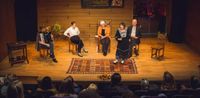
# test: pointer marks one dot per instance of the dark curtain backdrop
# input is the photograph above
(26, 19)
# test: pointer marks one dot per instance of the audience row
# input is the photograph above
(11, 87)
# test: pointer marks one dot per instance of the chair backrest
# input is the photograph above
(162, 38)
(154, 97)
(61, 97)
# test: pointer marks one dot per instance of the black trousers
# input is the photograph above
(105, 44)
(133, 43)
(76, 40)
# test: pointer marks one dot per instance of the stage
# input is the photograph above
(179, 59)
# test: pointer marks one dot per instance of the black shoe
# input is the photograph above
(52, 56)
(54, 60)
(104, 54)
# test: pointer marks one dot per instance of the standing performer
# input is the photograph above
(134, 32)
(73, 33)
(45, 39)
(104, 36)
(123, 39)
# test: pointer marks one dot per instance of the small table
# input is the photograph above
(17, 46)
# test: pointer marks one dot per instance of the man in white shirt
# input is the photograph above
(134, 31)
(73, 33)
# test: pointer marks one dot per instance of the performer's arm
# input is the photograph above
(78, 31)
(52, 38)
(108, 31)
(42, 41)
(138, 31)
(66, 33)
(99, 31)
(117, 36)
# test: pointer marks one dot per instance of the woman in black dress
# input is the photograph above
(123, 39)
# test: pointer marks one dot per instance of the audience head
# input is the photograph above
(144, 84)
(128, 94)
(69, 78)
(14, 91)
(195, 82)
(122, 25)
(73, 24)
(88, 94)
(168, 81)
(134, 22)
(67, 87)
(92, 86)
(116, 79)
(46, 83)
(168, 77)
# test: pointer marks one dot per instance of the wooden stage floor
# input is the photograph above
(180, 60)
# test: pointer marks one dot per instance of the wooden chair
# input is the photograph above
(72, 47)
(158, 49)
(99, 45)
(137, 46)
(44, 51)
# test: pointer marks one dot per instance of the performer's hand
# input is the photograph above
(68, 34)
(134, 37)
(102, 37)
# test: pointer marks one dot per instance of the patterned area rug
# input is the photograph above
(101, 66)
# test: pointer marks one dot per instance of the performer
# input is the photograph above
(73, 33)
(134, 32)
(123, 39)
(104, 36)
(45, 39)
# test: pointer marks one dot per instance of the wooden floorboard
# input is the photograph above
(179, 59)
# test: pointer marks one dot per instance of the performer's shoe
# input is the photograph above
(115, 61)
(52, 56)
(79, 54)
(54, 60)
(85, 50)
(122, 61)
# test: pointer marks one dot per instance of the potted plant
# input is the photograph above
(56, 29)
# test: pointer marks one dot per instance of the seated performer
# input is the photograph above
(73, 33)
(104, 36)
(122, 38)
(45, 39)
(134, 32)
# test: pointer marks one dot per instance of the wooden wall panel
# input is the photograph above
(65, 11)
(7, 25)
(192, 25)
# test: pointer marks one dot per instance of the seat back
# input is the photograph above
(182, 96)
(161, 39)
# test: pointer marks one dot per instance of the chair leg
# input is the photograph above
(69, 47)
(151, 53)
